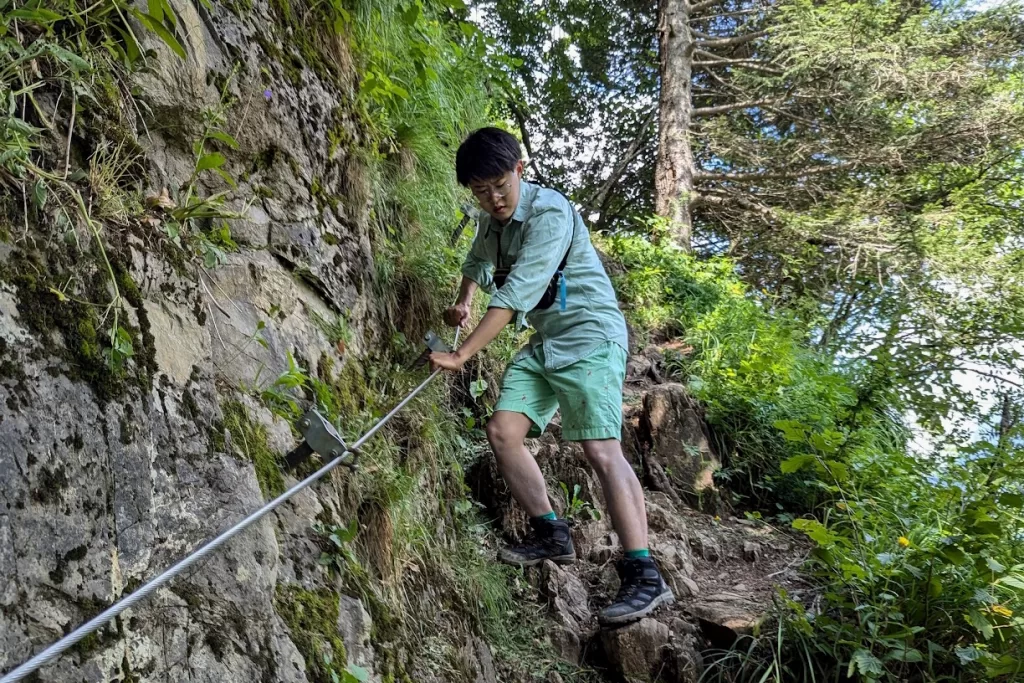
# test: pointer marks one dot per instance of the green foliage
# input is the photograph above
(337, 331)
(749, 368)
(201, 224)
(919, 558)
(576, 507)
(341, 557)
(281, 395)
(580, 81)
(421, 95)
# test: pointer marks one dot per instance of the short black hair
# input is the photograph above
(487, 153)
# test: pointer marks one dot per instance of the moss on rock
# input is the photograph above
(312, 618)
(71, 326)
(251, 438)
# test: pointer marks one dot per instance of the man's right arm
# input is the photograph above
(457, 315)
(476, 272)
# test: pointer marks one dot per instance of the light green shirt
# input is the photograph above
(532, 244)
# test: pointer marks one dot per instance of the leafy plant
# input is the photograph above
(477, 388)
(337, 331)
(576, 507)
(749, 368)
(341, 557)
(919, 559)
(280, 395)
(212, 242)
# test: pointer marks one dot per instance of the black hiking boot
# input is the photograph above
(549, 540)
(642, 591)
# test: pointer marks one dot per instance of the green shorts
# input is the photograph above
(589, 392)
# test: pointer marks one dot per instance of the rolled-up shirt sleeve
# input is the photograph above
(545, 241)
(478, 265)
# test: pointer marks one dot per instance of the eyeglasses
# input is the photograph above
(501, 191)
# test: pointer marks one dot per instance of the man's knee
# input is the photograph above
(604, 456)
(503, 433)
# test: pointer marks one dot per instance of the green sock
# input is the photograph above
(637, 554)
(549, 516)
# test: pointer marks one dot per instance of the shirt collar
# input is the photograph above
(527, 191)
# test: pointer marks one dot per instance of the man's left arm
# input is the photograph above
(547, 238)
(491, 325)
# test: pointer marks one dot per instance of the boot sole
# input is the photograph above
(666, 598)
(557, 559)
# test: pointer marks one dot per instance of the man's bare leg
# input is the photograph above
(622, 491)
(642, 589)
(506, 431)
(550, 538)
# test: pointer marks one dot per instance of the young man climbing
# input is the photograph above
(533, 253)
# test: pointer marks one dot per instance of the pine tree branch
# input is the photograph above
(701, 6)
(735, 31)
(706, 199)
(726, 108)
(731, 41)
(521, 120)
(723, 15)
(752, 64)
(728, 86)
(779, 175)
(707, 55)
(705, 36)
(599, 197)
(792, 117)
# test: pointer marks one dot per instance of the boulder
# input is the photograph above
(751, 551)
(568, 601)
(567, 643)
(706, 547)
(679, 454)
(648, 650)
(566, 594)
(637, 651)
(676, 564)
(727, 616)
(479, 656)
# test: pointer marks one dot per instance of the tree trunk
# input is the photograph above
(1006, 424)
(673, 173)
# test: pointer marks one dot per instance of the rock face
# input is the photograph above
(568, 603)
(102, 487)
(356, 627)
(649, 650)
(679, 459)
(477, 662)
(727, 616)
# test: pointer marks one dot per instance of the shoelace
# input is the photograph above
(533, 539)
(627, 593)
(631, 585)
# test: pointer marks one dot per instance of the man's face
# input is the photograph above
(499, 196)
